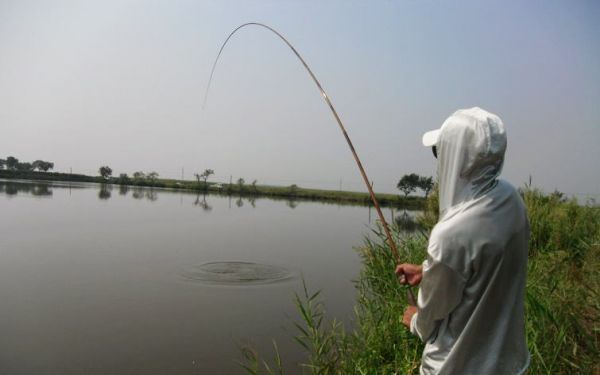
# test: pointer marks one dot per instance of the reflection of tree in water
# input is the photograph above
(138, 193)
(12, 188)
(105, 191)
(292, 203)
(252, 201)
(151, 195)
(407, 222)
(123, 189)
(239, 202)
(202, 203)
(41, 190)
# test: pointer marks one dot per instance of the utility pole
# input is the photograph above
(181, 173)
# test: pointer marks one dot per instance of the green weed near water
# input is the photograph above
(562, 304)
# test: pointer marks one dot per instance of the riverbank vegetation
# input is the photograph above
(562, 302)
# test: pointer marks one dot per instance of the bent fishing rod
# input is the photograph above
(384, 223)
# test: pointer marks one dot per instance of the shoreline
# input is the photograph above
(292, 192)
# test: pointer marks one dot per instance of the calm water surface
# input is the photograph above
(100, 280)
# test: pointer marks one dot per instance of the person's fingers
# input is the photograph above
(407, 316)
(400, 269)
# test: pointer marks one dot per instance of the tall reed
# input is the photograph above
(562, 304)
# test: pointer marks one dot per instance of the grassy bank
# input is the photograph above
(288, 192)
(562, 303)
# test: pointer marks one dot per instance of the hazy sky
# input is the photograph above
(121, 83)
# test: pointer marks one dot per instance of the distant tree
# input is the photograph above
(254, 186)
(123, 179)
(293, 189)
(408, 183)
(204, 176)
(42, 166)
(105, 172)
(2, 163)
(24, 167)
(48, 165)
(139, 176)
(426, 184)
(241, 183)
(11, 163)
(152, 177)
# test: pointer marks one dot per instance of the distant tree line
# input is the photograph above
(13, 164)
(409, 183)
(138, 178)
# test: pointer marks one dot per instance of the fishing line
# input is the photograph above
(384, 223)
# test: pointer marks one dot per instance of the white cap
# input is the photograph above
(490, 123)
(431, 138)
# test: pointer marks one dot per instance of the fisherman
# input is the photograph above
(470, 308)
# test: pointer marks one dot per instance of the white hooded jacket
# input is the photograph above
(471, 297)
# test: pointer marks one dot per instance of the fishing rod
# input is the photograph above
(384, 223)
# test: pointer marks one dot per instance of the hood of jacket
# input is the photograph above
(470, 149)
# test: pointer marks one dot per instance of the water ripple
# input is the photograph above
(236, 273)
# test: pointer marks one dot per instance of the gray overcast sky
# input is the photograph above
(121, 83)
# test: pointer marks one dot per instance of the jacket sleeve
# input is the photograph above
(440, 292)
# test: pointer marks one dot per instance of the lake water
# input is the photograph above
(105, 280)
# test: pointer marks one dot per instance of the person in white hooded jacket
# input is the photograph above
(470, 308)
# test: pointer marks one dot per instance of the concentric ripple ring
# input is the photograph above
(236, 273)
